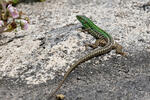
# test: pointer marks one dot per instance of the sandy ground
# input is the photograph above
(34, 61)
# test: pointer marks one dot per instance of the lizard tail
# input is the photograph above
(65, 76)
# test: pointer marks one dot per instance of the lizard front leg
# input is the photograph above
(98, 42)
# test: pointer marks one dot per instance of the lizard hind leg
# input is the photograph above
(118, 48)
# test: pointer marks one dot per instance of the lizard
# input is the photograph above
(102, 39)
(99, 34)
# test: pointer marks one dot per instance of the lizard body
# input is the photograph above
(103, 39)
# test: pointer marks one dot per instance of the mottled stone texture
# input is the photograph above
(32, 62)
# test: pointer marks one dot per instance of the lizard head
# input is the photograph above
(86, 22)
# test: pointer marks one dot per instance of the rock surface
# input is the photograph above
(34, 61)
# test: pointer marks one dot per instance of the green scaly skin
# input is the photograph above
(97, 33)
(89, 25)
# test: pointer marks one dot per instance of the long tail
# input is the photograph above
(97, 52)
(60, 84)
(65, 76)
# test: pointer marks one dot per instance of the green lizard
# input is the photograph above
(102, 39)
(100, 35)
